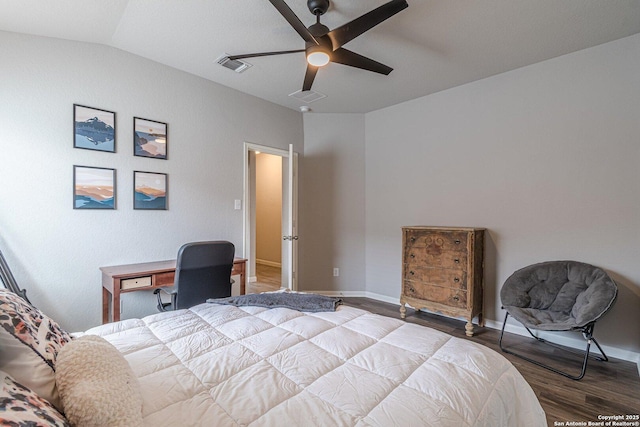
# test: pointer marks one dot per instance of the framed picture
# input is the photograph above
(149, 138)
(149, 190)
(94, 188)
(94, 129)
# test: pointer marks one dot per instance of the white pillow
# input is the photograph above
(29, 345)
(96, 384)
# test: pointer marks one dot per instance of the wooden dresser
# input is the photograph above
(442, 271)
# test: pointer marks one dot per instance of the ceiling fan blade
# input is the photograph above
(353, 29)
(294, 21)
(309, 76)
(253, 55)
(352, 59)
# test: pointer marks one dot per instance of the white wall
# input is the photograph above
(332, 203)
(545, 157)
(55, 251)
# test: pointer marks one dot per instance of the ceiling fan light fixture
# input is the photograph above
(317, 56)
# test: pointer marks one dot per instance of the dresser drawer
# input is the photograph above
(454, 279)
(446, 296)
(421, 256)
(437, 242)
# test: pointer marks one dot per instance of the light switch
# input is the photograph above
(237, 204)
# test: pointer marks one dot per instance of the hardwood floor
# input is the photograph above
(268, 278)
(608, 388)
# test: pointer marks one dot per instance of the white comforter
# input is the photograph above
(215, 365)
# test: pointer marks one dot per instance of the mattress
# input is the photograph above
(220, 365)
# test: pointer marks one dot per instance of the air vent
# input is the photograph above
(307, 96)
(233, 64)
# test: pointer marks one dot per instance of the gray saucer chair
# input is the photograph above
(203, 270)
(558, 296)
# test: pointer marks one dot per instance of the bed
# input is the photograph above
(224, 365)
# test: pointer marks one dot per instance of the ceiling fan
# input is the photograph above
(323, 45)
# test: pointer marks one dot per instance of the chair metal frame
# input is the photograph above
(9, 282)
(587, 333)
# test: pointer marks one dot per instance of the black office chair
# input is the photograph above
(203, 270)
(558, 296)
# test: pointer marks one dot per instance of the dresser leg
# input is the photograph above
(403, 311)
(469, 329)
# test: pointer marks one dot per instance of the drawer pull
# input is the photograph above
(412, 256)
(412, 273)
(457, 242)
(456, 279)
(413, 239)
(456, 298)
(412, 289)
(457, 261)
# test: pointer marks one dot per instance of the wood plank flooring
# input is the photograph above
(608, 388)
(268, 279)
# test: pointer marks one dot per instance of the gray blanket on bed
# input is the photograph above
(295, 301)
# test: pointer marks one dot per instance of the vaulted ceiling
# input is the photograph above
(432, 45)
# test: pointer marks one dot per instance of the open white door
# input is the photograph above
(292, 231)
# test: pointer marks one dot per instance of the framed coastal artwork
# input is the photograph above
(149, 190)
(149, 138)
(94, 188)
(94, 129)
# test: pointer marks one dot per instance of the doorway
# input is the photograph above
(268, 224)
(270, 217)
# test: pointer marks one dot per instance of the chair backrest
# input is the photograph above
(203, 270)
(582, 291)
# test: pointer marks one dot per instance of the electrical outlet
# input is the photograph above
(336, 272)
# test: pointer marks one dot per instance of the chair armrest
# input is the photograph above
(162, 306)
(167, 291)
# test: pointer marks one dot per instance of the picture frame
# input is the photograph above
(94, 187)
(94, 129)
(150, 190)
(150, 138)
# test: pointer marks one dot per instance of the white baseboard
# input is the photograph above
(558, 338)
(269, 263)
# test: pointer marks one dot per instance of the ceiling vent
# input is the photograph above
(307, 96)
(233, 64)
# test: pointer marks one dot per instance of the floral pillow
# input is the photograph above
(29, 345)
(20, 406)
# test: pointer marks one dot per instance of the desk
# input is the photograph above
(119, 279)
